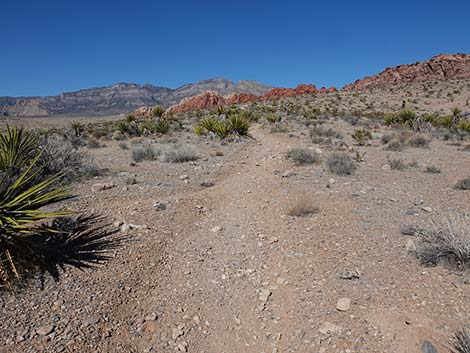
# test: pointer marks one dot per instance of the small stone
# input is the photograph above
(343, 304)
(426, 209)
(428, 347)
(159, 206)
(184, 177)
(216, 229)
(176, 332)
(351, 275)
(264, 295)
(125, 228)
(45, 330)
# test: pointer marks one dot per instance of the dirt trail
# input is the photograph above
(233, 260)
(224, 269)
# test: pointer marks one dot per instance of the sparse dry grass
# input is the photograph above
(302, 156)
(340, 164)
(303, 206)
(446, 241)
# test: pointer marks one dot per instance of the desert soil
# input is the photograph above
(226, 269)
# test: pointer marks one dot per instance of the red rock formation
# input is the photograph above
(211, 99)
(201, 101)
(241, 98)
(440, 67)
(301, 89)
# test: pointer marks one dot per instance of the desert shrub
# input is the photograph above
(320, 131)
(303, 156)
(179, 155)
(238, 125)
(446, 241)
(386, 138)
(361, 136)
(279, 129)
(302, 207)
(147, 153)
(58, 155)
(94, 143)
(432, 169)
(461, 341)
(464, 125)
(273, 118)
(340, 164)
(123, 146)
(397, 164)
(418, 142)
(463, 184)
(395, 146)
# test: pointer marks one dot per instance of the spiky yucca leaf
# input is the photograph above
(208, 124)
(20, 208)
(221, 129)
(17, 148)
(238, 124)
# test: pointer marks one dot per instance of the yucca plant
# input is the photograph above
(221, 129)
(17, 148)
(238, 124)
(221, 110)
(158, 111)
(77, 128)
(21, 200)
(123, 127)
(406, 116)
(30, 241)
(130, 118)
(361, 136)
(208, 124)
(162, 126)
(199, 130)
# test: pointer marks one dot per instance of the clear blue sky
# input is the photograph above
(48, 47)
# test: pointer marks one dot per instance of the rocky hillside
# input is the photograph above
(440, 67)
(211, 99)
(119, 98)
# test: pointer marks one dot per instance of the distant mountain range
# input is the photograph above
(126, 97)
(120, 98)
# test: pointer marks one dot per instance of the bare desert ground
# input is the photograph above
(245, 250)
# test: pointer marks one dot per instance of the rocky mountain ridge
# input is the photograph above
(440, 67)
(119, 98)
